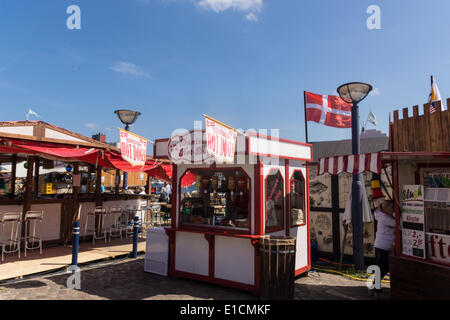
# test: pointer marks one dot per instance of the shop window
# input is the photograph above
(219, 198)
(297, 199)
(274, 201)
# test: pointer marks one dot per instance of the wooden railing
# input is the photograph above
(421, 133)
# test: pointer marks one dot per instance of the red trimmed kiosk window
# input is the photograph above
(274, 201)
(297, 199)
(217, 198)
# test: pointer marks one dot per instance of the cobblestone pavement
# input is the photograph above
(125, 279)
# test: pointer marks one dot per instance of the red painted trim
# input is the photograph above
(308, 218)
(262, 217)
(216, 233)
(172, 246)
(227, 283)
(175, 186)
(427, 260)
(207, 228)
(254, 134)
(278, 156)
(257, 263)
(398, 242)
(306, 193)
(211, 243)
(287, 198)
(302, 270)
(274, 229)
(432, 165)
(416, 154)
(256, 173)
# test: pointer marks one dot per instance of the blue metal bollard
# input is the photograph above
(76, 237)
(135, 237)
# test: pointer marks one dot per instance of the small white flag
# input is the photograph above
(371, 118)
(31, 112)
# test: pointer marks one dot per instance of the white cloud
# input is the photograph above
(238, 5)
(251, 17)
(129, 68)
(375, 92)
(92, 126)
(250, 6)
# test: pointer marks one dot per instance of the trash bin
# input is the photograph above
(277, 258)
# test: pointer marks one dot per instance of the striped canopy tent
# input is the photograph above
(353, 164)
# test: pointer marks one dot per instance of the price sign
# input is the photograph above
(413, 228)
(413, 243)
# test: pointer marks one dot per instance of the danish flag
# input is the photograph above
(330, 111)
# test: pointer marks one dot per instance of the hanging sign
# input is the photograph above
(220, 141)
(133, 148)
(413, 227)
(188, 148)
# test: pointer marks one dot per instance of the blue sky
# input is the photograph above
(244, 62)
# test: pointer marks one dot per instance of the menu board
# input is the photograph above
(413, 227)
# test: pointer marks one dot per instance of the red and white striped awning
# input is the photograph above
(353, 164)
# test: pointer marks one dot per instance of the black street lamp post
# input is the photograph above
(127, 117)
(354, 93)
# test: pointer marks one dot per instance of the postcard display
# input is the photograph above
(219, 211)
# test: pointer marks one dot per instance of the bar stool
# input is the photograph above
(116, 227)
(128, 220)
(100, 229)
(12, 220)
(33, 219)
(144, 211)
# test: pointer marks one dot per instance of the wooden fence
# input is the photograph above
(427, 132)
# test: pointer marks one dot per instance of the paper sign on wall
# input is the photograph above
(412, 219)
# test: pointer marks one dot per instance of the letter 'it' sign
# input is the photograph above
(220, 141)
(133, 148)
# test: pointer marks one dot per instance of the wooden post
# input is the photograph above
(28, 191)
(12, 191)
(98, 198)
(98, 184)
(336, 221)
(148, 185)
(89, 186)
(117, 181)
(36, 178)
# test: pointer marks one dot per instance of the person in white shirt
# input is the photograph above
(385, 236)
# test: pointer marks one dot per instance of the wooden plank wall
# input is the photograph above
(426, 132)
(134, 178)
(418, 280)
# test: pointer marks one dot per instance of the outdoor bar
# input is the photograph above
(220, 211)
(38, 146)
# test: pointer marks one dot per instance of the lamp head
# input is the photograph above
(127, 117)
(354, 92)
